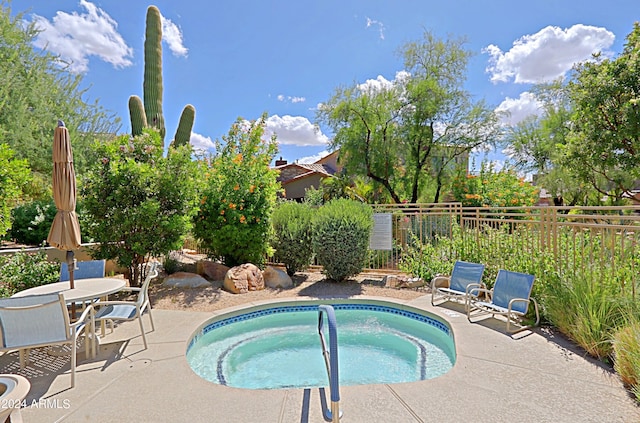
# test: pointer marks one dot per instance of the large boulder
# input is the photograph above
(212, 270)
(185, 280)
(276, 278)
(244, 278)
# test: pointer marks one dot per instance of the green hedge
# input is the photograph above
(293, 235)
(341, 231)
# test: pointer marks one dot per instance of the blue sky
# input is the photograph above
(242, 58)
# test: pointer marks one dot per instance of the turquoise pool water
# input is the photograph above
(279, 347)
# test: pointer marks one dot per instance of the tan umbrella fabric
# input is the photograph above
(65, 230)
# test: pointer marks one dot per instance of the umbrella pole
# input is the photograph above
(71, 265)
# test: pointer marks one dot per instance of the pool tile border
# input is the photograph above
(314, 307)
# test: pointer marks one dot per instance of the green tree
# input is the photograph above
(537, 143)
(239, 196)
(494, 189)
(36, 90)
(411, 131)
(604, 143)
(357, 188)
(14, 176)
(141, 203)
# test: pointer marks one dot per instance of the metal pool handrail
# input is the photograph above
(330, 360)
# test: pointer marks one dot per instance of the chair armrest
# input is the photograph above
(517, 300)
(130, 288)
(98, 304)
(480, 290)
(439, 278)
(476, 287)
(88, 310)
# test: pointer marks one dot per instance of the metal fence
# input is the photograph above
(597, 243)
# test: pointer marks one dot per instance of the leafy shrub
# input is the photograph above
(139, 202)
(14, 176)
(24, 270)
(313, 196)
(32, 221)
(171, 265)
(341, 231)
(293, 235)
(425, 260)
(240, 193)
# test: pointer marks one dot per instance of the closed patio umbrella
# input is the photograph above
(65, 230)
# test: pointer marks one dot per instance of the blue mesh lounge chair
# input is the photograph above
(509, 297)
(465, 279)
(110, 311)
(39, 321)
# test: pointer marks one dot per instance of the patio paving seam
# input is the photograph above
(283, 405)
(404, 404)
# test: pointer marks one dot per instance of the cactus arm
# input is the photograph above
(183, 133)
(136, 115)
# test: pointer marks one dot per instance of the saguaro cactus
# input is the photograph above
(152, 84)
(150, 113)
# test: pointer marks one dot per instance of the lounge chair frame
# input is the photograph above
(465, 281)
(509, 297)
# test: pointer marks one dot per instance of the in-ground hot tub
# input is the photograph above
(277, 346)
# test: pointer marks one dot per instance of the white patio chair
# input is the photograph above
(509, 297)
(111, 311)
(39, 321)
(465, 280)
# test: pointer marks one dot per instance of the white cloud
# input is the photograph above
(75, 37)
(172, 35)
(547, 54)
(378, 24)
(514, 110)
(295, 130)
(201, 142)
(291, 99)
(314, 158)
(372, 86)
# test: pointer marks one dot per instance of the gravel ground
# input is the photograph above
(309, 285)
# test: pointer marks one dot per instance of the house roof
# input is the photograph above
(295, 171)
(284, 182)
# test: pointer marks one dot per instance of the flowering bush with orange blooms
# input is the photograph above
(494, 189)
(239, 196)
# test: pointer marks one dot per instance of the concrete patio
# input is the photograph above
(532, 376)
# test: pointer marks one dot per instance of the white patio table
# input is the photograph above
(84, 289)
